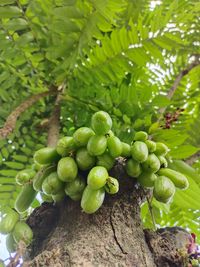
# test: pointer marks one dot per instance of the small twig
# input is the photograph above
(191, 160)
(151, 211)
(11, 120)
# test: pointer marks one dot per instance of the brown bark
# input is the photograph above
(113, 236)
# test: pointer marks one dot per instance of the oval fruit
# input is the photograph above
(11, 245)
(177, 178)
(163, 162)
(140, 136)
(97, 145)
(161, 149)
(84, 160)
(105, 160)
(46, 198)
(8, 221)
(46, 155)
(75, 187)
(92, 199)
(59, 196)
(97, 177)
(164, 189)
(133, 168)
(76, 197)
(152, 164)
(82, 135)
(25, 198)
(114, 146)
(101, 122)
(147, 179)
(126, 150)
(139, 151)
(151, 145)
(65, 146)
(41, 175)
(22, 232)
(67, 169)
(112, 185)
(24, 176)
(52, 185)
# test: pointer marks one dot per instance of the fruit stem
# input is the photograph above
(151, 211)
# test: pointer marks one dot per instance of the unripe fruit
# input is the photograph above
(152, 164)
(22, 232)
(140, 136)
(84, 160)
(24, 176)
(82, 135)
(46, 155)
(112, 185)
(164, 189)
(151, 145)
(139, 151)
(92, 199)
(11, 245)
(97, 145)
(65, 146)
(147, 179)
(133, 168)
(8, 221)
(59, 196)
(126, 150)
(101, 122)
(163, 162)
(67, 169)
(41, 175)
(114, 146)
(105, 160)
(97, 177)
(75, 187)
(161, 149)
(46, 198)
(52, 185)
(25, 198)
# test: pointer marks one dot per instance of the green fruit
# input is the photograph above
(152, 164)
(97, 177)
(106, 161)
(133, 168)
(97, 145)
(52, 185)
(140, 136)
(41, 175)
(92, 199)
(25, 198)
(177, 178)
(65, 146)
(22, 232)
(110, 134)
(151, 145)
(8, 221)
(59, 196)
(164, 189)
(101, 122)
(126, 150)
(75, 187)
(139, 151)
(112, 185)
(114, 146)
(46, 155)
(163, 162)
(11, 245)
(67, 169)
(76, 197)
(147, 179)
(84, 160)
(24, 176)
(161, 149)
(36, 166)
(82, 135)
(46, 198)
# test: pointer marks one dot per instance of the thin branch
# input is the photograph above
(11, 120)
(172, 90)
(54, 121)
(191, 160)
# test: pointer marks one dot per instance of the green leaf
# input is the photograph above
(9, 12)
(183, 151)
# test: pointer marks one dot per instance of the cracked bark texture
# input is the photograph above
(113, 236)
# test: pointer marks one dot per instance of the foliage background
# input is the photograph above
(117, 55)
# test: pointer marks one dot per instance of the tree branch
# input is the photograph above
(172, 90)
(11, 120)
(191, 160)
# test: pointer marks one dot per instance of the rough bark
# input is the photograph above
(113, 236)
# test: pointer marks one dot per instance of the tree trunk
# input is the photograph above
(113, 236)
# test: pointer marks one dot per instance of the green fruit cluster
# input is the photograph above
(15, 229)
